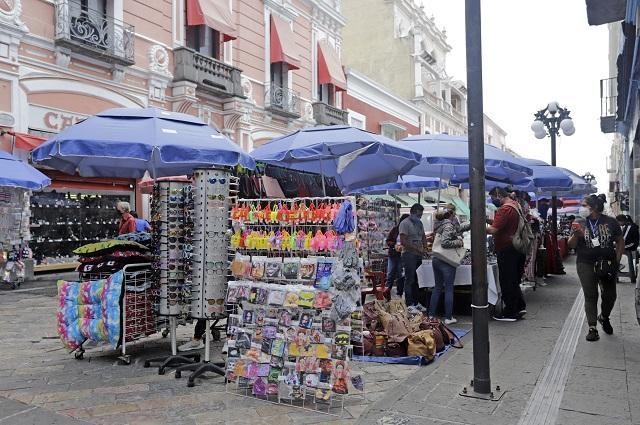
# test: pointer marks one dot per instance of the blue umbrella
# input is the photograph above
(127, 142)
(545, 178)
(579, 187)
(16, 173)
(354, 157)
(448, 156)
(405, 184)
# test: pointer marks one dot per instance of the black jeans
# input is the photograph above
(411, 262)
(200, 329)
(590, 283)
(511, 267)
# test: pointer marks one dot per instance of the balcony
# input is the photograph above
(608, 104)
(325, 114)
(208, 73)
(93, 33)
(282, 101)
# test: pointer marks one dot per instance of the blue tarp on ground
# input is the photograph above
(409, 360)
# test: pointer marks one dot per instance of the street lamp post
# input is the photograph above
(549, 121)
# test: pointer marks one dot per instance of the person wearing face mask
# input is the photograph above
(413, 241)
(510, 261)
(449, 228)
(543, 208)
(599, 245)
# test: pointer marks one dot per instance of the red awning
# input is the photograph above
(214, 14)
(283, 48)
(27, 142)
(329, 67)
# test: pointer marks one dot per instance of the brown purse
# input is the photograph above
(442, 333)
(422, 344)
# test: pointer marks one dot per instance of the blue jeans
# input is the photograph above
(411, 262)
(394, 272)
(444, 275)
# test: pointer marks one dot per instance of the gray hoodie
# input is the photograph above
(450, 233)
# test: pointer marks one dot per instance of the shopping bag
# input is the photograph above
(452, 256)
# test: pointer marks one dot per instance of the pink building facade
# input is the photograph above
(254, 69)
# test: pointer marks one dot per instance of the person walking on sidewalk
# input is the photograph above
(599, 244)
(394, 262)
(510, 260)
(444, 274)
(413, 241)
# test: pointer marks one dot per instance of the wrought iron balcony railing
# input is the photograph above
(93, 32)
(325, 114)
(208, 73)
(282, 101)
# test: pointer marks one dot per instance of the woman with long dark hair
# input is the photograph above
(599, 244)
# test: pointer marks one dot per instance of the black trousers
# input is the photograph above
(200, 329)
(511, 268)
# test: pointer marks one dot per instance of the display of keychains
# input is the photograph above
(173, 227)
(214, 192)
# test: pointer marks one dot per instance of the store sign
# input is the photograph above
(52, 120)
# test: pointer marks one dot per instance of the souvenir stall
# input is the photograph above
(17, 179)
(295, 300)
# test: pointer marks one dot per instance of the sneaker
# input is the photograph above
(194, 344)
(421, 308)
(593, 335)
(503, 318)
(450, 321)
(606, 325)
(522, 312)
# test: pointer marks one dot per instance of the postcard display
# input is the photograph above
(296, 292)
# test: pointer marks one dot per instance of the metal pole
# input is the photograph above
(481, 368)
(554, 198)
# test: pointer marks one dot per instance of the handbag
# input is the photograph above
(396, 349)
(422, 344)
(451, 256)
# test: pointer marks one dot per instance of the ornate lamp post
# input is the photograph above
(548, 122)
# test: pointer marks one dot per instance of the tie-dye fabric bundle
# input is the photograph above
(90, 310)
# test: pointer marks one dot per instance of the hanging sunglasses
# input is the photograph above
(214, 264)
(216, 272)
(219, 301)
(214, 180)
(218, 197)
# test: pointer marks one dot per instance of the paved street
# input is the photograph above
(600, 384)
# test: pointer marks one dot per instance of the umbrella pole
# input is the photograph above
(419, 193)
(439, 190)
(324, 189)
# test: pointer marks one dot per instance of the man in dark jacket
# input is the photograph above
(394, 262)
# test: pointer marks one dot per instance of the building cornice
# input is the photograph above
(282, 7)
(372, 93)
(421, 22)
(327, 15)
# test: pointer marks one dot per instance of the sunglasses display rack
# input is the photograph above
(214, 191)
(173, 226)
(14, 232)
(295, 295)
(376, 218)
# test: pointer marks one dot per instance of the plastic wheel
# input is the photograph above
(178, 374)
(196, 358)
(161, 371)
(79, 355)
(13, 286)
(124, 361)
(147, 364)
(165, 333)
(191, 384)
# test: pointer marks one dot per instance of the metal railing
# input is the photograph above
(209, 73)
(93, 32)
(282, 101)
(608, 104)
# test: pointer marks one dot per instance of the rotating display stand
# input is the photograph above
(214, 191)
(173, 225)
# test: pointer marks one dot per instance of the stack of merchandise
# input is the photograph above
(14, 233)
(102, 259)
(391, 331)
(296, 295)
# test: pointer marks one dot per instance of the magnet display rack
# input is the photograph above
(214, 191)
(376, 219)
(285, 343)
(172, 247)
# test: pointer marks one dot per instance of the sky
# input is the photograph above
(535, 52)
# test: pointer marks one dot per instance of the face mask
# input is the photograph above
(496, 202)
(584, 212)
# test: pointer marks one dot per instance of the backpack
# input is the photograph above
(522, 240)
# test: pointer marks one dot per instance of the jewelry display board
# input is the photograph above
(295, 295)
(376, 218)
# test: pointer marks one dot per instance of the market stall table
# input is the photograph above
(463, 278)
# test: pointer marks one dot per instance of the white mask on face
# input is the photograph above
(584, 212)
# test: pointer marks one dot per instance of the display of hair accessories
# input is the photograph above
(213, 193)
(172, 245)
(296, 291)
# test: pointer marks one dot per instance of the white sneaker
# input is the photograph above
(194, 344)
(225, 348)
(413, 310)
(450, 321)
(422, 308)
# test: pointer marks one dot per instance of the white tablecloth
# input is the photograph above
(463, 278)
